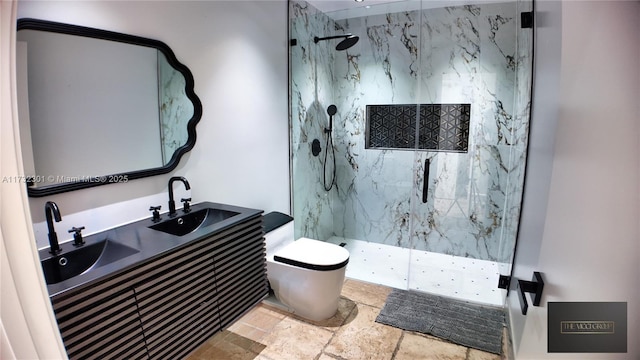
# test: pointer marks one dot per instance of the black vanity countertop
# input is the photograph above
(150, 243)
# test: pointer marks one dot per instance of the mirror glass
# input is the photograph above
(98, 107)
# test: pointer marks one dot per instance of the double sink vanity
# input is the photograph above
(155, 288)
(158, 287)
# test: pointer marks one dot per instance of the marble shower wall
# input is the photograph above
(466, 54)
(471, 61)
(312, 91)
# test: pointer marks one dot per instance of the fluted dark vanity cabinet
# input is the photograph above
(101, 325)
(166, 307)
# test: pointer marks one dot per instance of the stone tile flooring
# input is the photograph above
(267, 333)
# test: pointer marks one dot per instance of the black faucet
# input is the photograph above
(172, 204)
(52, 208)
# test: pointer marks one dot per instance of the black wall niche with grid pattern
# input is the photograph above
(442, 127)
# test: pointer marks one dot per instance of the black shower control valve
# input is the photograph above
(186, 207)
(77, 235)
(156, 212)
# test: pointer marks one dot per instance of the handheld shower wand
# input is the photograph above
(331, 110)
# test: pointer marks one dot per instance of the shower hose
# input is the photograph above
(329, 145)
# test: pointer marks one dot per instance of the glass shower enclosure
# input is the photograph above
(424, 156)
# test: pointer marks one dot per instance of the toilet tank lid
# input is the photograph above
(313, 254)
(274, 220)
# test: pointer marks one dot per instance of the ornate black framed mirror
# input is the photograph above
(99, 107)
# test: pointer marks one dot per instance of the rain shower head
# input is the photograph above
(349, 41)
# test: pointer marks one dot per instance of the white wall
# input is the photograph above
(28, 329)
(236, 51)
(581, 211)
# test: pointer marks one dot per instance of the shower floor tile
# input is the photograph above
(447, 275)
(377, 263)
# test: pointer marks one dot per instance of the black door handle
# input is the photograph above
(425, 180)
(535, 286)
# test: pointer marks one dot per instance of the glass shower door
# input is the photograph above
(429, 137)
(375, 84)
(464, 228)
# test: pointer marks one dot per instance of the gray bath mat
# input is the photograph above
(471, 325)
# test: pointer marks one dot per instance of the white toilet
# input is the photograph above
(305, 275)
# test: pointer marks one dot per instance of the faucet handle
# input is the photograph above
(77, 235)
(186, 207)
(156, 212)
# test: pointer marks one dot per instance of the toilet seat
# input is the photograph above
(313, 254)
